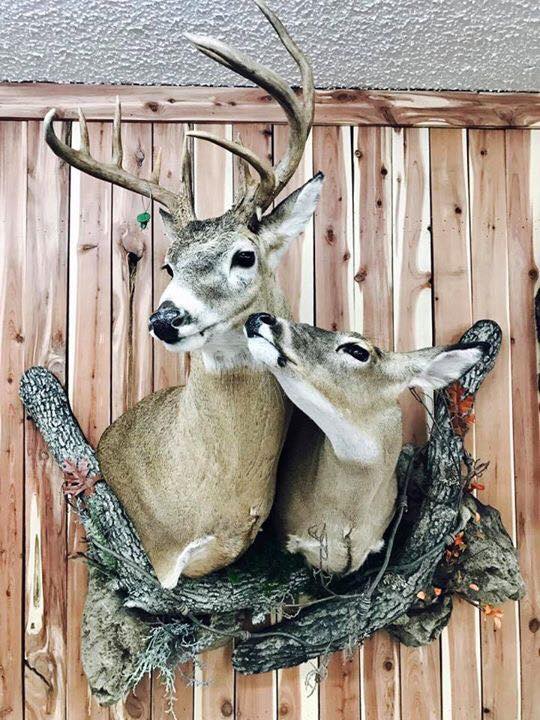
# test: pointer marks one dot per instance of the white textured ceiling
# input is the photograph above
(397, 44)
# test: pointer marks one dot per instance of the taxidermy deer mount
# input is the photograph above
(195, 467)
(335, 502)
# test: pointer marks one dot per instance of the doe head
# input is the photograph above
(342, 370)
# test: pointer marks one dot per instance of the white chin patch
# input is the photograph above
(193, 342)
(263, 352)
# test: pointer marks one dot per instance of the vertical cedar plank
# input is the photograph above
(168, 370)
(374, 318)
(453, 315)
(295, 277)
(132, 306)
(493, 406)
(13, 153)
(213, 184)
(523, 198)
(45, 306)
(255, 694)
(295, 272)
(89, 378)
(340, 691)
(420, 667)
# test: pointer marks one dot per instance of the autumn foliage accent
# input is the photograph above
(78, 480)
(495, 613)
(460, 406)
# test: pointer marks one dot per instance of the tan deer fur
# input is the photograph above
(336, 480)
(195, 468)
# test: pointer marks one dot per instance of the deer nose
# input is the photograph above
(166, 320)
(255, 321)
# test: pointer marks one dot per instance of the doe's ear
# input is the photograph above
(445, 365)
(289, 218)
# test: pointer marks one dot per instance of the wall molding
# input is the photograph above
(207, 104)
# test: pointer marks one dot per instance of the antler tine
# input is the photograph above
(244, 179)
(117, 151)
(260, 165)
(85, 140)
(112, 172)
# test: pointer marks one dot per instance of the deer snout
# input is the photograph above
(164, 323)
(255, 321)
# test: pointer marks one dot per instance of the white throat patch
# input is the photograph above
(227, 351)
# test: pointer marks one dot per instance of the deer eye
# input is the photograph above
(357, 351)
(243, 258)
(168, 268)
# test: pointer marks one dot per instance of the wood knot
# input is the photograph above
(330, 236)
(346, 256)
(154, 106)
(483, 152)
(534, 624)
(227, 709)
(388, 665)
(533, 274)
(139, 156)
(458, 210)
(384, 171)
(283, 710)
(359, 154)
(379, 202)
(361, 275)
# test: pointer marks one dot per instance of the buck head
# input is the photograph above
(221, 269)
(344, 382)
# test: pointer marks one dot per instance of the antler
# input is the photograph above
(299, 113)
(180, 204)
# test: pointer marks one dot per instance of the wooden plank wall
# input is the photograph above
(418, 232)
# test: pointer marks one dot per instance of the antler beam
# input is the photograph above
(299, 113)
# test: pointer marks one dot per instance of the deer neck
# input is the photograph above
(358, 439)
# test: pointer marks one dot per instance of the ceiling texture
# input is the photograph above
(384, 44)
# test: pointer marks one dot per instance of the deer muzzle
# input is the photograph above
(166, 321)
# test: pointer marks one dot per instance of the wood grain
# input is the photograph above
(452, 304)
(420, 667)
(523, 222)
(332, 107)
(13, 159)
(89, 377)
(131, 378)
(215, 700)
(374, 317)
(500, 686)
(47, 223)
(339, 695)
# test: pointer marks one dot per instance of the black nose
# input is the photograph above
(256, 320)
(165, 321)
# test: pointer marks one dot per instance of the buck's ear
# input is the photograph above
(289, 218)
(168, 223)
(446, 365)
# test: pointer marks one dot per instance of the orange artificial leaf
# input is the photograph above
(476, 486)
(477, 517)
(495, 613)
(460, 407)
(421, 595)
(458, 540)
(437, 591)
(474, 587)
